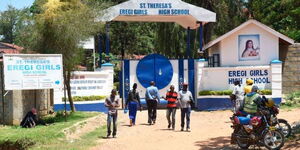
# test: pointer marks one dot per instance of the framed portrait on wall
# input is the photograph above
(249, 47)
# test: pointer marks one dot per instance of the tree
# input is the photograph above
(132, 37)
(61, 25)
(8, 24)
(281, 15)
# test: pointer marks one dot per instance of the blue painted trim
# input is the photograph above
(213, 104)
(180, 73)
(107, 65)
(107, 45)
(201, 60)
(191, 74)
(126, 78)
(201, 36)
(99, 106)
(276, 62)
(188, 42)
(277, 100)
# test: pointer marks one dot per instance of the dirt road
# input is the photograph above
(209, 131)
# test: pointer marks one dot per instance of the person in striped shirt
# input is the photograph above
(171, 97)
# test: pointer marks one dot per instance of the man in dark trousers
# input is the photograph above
(152, 99)
(112, 103)
(185, 101)
(171, 97)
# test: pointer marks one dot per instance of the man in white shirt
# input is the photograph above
(238, 93)
(185, 100)
(112, 103)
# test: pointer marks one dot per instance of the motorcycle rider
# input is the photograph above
(252, 101)
(250, 107)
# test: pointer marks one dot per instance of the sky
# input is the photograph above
(16, 3)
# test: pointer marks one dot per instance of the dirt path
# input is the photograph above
(80, 128)
(209, 130)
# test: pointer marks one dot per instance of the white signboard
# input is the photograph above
(222, 78)
(32, 71)
(91, 83)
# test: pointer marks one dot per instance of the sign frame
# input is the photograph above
(37, 67)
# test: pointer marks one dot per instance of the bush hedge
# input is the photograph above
(292, 99)
(87, 98)
(228, 92)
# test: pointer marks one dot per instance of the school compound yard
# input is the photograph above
(209, 131)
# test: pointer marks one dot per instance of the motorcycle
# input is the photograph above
(280, 124)
(256, 131)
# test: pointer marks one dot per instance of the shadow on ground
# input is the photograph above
(292, 145)
(219, 143)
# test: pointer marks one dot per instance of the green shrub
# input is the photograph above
(224, 92)
(20, 144)
(204, 93)
(227, 92)
(292, 96)
(86, 98)
(219, 92)
(292, 99)
(265, 92)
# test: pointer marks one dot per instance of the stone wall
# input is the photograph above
(18, 102)
(291, 69)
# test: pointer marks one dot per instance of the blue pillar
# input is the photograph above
(201, 36)
(100, 50)
(188, 43)
(107, 46)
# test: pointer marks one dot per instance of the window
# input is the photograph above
(214, 60)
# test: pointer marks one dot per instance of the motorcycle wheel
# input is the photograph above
(273, 140)
(285, 127)
(243, 144)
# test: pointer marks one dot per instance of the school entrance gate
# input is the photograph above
(163, 71)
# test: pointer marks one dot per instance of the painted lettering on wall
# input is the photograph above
(82, 85)
(162, 9)
(258, 76)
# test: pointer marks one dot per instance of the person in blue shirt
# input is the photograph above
(152, 99)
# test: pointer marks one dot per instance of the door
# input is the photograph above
(155, 68)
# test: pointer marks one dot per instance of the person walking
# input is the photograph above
(185, 100)
(239, 96)
(152, 99)
(112, 103)
(132, 104)
(171, 97)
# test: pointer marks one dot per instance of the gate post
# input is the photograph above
(201, 63)
(276, 76)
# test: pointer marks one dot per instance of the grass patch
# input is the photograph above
(292, 101)
(43, 135)
(85, 141)
(289, 107)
